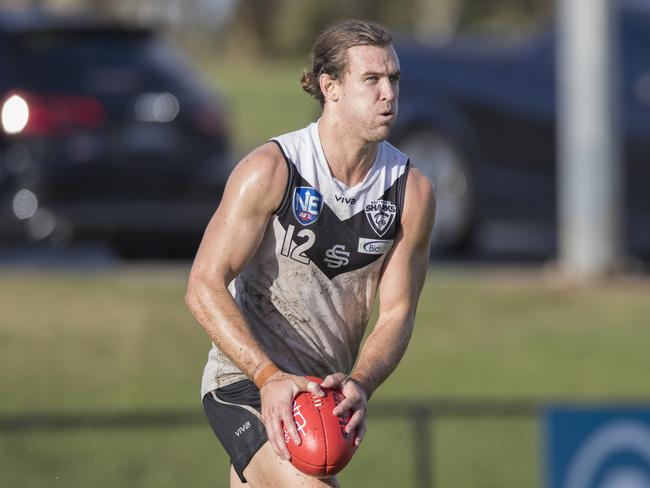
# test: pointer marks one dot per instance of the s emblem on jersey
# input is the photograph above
(337, 256)
(381, 214)
(307, 204)
(374, 246)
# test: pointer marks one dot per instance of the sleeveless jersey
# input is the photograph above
(309, 289)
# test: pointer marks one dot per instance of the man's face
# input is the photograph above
(368, 91)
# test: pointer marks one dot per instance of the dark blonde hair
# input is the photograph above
(329, 54)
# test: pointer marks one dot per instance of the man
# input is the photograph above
(310, 226)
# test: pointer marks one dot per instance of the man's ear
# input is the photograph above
(329, 87)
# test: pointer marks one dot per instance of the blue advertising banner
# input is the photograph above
(597, 447)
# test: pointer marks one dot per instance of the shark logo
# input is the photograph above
(380, 214)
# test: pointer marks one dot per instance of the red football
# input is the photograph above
(325, 448)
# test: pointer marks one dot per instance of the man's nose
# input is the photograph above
(388, 91)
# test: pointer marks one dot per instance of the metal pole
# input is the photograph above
(422, 420)
(590, 173)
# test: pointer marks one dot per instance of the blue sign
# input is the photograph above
(597, 447)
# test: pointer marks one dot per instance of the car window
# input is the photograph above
(117, 62)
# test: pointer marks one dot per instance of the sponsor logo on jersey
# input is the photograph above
(381, 214)
(374, 246)
(243, 428)
(307, 204)
(337, 256)
(341, 198)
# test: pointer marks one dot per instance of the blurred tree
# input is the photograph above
(437, 20)
(296, 23)
(287, 28)
(504, 16)
(250, 31)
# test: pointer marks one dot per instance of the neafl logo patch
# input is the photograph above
(381, 214)
(307, 204)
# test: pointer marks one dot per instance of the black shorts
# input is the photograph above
(234, 413)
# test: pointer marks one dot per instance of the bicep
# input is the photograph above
(235, 231)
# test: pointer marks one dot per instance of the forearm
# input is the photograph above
(214, 308)
(383, 350)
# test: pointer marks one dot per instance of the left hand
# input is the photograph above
(355, 400)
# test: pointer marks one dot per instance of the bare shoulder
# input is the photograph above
(260, 178)
(264, 166)
(254, 190)
(419, 199)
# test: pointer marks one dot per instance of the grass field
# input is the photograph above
(119, 340)
(264, 99)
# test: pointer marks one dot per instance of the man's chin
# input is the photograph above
(380, 134)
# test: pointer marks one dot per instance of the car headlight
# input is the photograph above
(14, 115)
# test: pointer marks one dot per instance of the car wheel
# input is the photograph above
(437, 157)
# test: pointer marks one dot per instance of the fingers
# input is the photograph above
(275, 434)
(290, 426)
(305, 384)
(336, 380)
(277, 397)
(356, 420)
(315, 389)
(355, 401)
(348, 403)
(361, 432)
(355, 398)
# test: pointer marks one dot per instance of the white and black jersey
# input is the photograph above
(308, 291)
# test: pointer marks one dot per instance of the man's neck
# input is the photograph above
(348, 157)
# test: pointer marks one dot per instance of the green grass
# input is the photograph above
(264, 99)
(123, 340)
(496, 337)
(137, 458)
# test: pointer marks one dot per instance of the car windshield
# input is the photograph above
(101, 62)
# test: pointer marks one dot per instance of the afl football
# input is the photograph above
(326, 447)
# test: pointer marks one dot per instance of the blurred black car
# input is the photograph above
(105, 133)
(479, 118)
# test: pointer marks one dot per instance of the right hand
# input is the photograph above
(277, 396)
(355, 400)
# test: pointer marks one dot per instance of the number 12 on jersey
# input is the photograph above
(297, 251)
